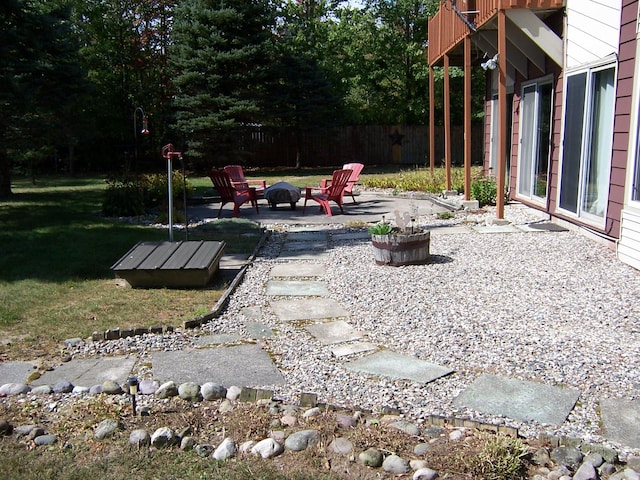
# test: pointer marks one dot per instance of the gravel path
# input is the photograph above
(550, 307)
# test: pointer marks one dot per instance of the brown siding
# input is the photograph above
(624, 91)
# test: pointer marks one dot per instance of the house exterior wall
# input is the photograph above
(592, 31)
(627, 114)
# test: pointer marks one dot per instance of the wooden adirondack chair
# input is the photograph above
(238, 194)
(355, 168)
(238, 179)
(331, 192)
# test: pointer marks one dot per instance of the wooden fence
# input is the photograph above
(373, 145)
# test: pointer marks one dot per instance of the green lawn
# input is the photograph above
(55, 276)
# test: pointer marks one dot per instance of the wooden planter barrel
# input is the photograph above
(401, 249)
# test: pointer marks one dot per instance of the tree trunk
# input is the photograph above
(5, 174)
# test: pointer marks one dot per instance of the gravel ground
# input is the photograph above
(550, 307)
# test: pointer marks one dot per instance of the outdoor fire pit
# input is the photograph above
(282, 192)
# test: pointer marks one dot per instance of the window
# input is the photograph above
(587, 143)
(535, 137)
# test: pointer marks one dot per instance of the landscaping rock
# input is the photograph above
(586, 472)
(6, 428)
(148, 387)
(187, 443)
(302, 440)
(341, 445)
(41, 390)
(626, 474)
(139, 438)
(204, 451)
(568, 456)
(167, 390)
(371, 457)
(213, 391)
(233, 392)
(105, 428)
(225, 450)
(110, 387)
(395, 464)
(425, 474)
(541, 457)
(44, 440)
(406, 427)
(421, 449)
(190, 391)
(267, 448)
(594, 459)
(164, 437)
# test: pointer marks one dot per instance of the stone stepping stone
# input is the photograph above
(89, 372)
(305, 288)
(334, 332)
(290, 247)
(217, 339)
(621, 420)
(15, 372)
(313, 255)
(258, 330)
(308, 309)
(519, 399)
(307, 236)
(253, 312)
(298, 270)
(352, 348)
(448, 229)
(339, 237)
(496, 229)
(242, 365)
(391, 364)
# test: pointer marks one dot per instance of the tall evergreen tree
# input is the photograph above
(39, 79)
(218, 53)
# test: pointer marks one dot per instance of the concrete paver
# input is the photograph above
(243, 365)
(395, 365)
(305, 288)
(258, 330)
(621, 420)
(298, 269)
(89, 372)
(519, 399)
(15, 372)
(334, 332)
(351, 348)
(308, 309)
(290, 247)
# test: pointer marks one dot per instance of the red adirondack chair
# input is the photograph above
(238, 179)
(355, 168)
(238, 194)
(331, 192)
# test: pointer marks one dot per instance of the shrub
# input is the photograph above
(380, 229)
(156, 190)
(484, 190)
(123, 198)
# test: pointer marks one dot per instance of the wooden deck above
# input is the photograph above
(458, 18)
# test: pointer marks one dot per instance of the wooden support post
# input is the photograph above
(502, 112)
(447, 124)
(467, 118)
(432, 121)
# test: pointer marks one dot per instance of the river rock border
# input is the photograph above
(565, 458)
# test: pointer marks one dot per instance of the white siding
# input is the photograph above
(629, 245)
(593, 30)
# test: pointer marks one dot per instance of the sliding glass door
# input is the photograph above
(535, 139)
(587, 143)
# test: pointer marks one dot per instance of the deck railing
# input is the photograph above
(447, 29)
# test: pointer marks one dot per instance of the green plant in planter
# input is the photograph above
(380, 229)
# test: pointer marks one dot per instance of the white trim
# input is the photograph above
(634, 134)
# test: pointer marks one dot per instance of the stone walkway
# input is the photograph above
(301, 298)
